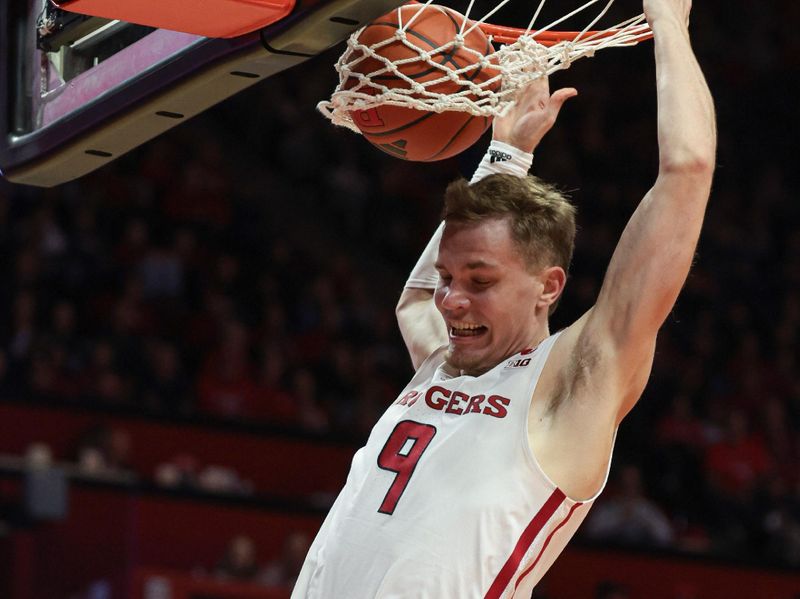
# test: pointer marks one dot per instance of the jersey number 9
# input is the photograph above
(400, 455)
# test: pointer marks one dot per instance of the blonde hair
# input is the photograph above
(541, 218)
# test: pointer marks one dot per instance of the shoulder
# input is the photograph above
(575, 405)
(585, 367)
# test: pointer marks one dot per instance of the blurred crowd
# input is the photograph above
(242, 562)
(245, 267)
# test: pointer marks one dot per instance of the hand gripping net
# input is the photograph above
(526, 54)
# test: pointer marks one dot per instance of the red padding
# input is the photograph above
(209, 18)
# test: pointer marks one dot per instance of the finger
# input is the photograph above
(559, 97)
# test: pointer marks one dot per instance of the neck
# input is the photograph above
(451, 370)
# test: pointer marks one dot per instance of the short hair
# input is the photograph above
(542, 219)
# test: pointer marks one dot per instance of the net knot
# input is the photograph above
(566, 54)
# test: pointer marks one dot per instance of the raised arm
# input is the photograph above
(514, 137)
(600, 365)
(654, 254)
(421, 325)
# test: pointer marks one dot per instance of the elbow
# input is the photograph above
(400, 312)
(408, 306)
(411, 297)
(696, 161)
(694, 164)
(402, 305)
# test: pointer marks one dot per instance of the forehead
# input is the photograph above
(487, 242)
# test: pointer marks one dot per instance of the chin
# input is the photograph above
(471, 365)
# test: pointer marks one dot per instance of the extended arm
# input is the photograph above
(600, 365)
(514, 138)
(654, 254)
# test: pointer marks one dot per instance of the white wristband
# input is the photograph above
(424, 274)
(503, 158)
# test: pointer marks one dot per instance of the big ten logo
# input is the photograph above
(367, 118)
(518, 363)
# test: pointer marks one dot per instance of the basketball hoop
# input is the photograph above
(525, 54)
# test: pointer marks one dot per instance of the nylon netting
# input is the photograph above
(536, 52)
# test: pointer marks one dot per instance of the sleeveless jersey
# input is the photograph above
(446, 499)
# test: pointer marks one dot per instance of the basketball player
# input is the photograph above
(473, 481)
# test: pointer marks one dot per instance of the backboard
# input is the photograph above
(77, 91)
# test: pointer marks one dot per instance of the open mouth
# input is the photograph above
(467, 330)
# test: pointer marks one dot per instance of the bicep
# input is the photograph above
(651, 262)
(616, 338)
(421, 325)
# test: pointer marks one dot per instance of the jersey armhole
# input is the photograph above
(528, 450)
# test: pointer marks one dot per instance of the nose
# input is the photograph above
(454, 300)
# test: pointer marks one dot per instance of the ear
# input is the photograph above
(553, 280)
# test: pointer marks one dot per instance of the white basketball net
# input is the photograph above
(513, 65)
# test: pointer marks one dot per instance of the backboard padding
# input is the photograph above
(149, 87)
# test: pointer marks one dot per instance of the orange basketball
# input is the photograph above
(408, 133)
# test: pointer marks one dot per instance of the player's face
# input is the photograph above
(486, 295)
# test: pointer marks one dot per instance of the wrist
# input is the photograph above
(502, 157)
(527, 146)
(668, 21)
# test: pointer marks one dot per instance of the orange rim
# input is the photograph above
(508, 35)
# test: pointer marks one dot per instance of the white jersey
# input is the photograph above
(446, 500)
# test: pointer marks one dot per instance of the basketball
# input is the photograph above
(409, 133)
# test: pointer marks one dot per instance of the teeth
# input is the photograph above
(466, 327)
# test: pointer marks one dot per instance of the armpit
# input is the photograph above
(578, 375)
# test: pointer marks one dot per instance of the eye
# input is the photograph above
(445, 278)
(481, 282)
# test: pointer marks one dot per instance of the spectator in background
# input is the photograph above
(780, 521)
(23, 328)
(611, 590)
(104, 451)
(680, 427)
(226, 387)
(780, 438)
(627, 517)
(677, 456)
(283, 571)
(106, 382)
(165, 385)
(274, 401)
(180, 472)
(7, 386)
(133, 245)
(736, 468)
(65, 334)
(240, 560)
(161, 272)
(737, 463)
(304, 391)
(222, 480)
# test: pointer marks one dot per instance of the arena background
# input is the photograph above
(196, 338)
